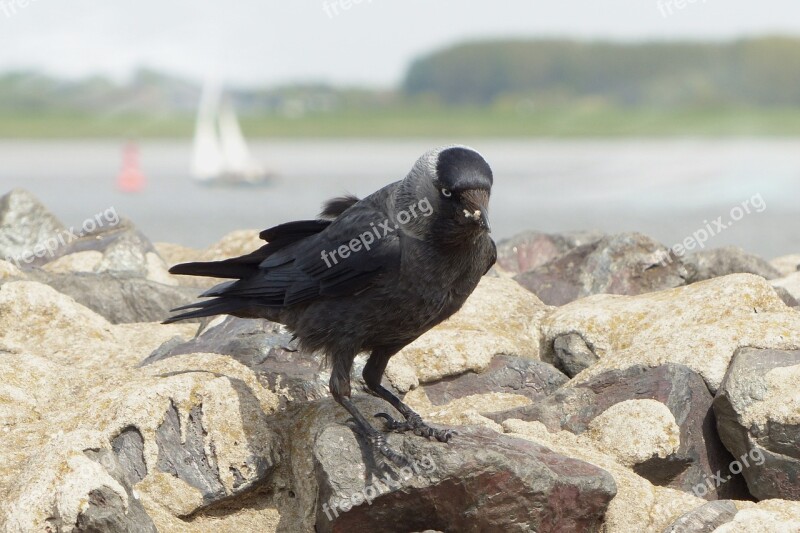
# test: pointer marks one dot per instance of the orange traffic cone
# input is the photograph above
(130, 178)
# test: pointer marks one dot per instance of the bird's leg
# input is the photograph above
(373, 372)
(340, 390)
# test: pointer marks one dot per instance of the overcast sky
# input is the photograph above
(268, 42)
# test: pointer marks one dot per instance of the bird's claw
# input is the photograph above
(418, 426)
(379, 442)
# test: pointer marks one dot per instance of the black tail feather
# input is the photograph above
(217, 306)
(215, 269)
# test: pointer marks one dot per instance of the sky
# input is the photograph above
(344, 42)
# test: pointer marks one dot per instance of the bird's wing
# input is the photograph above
(300, 272)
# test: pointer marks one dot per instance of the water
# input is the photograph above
(668, 189)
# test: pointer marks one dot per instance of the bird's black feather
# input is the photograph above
(373, 276)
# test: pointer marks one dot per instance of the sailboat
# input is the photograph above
(220, 153)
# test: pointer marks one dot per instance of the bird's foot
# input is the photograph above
(379, 443)
(415, 423)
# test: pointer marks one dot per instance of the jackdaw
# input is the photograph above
(369, 275)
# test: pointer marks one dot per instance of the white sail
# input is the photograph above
(208, 160)
(220, 153)
(235, 152)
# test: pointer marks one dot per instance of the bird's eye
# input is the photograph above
(447, 193)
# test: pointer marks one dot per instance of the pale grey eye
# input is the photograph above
(446, 193)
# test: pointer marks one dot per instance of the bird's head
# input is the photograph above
(454, 184)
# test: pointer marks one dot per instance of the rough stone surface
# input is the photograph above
(629, 263)
(638, 504)
(572, 355)
(223, 426)
(500, 317)
(8, 271)
(650, 424)
(480, 481)
(119, 298)
(681, 461)
(25, 224)
(505, 374)
(790, 284)
(758, 416)
(706, 518)
(787, 264)
(267, 349)
(699, 326)
(717, 262)
(84, 451)
(532, 249)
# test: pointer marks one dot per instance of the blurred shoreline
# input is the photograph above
(665, 188)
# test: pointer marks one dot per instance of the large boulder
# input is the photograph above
(27, 229)
(532, 249)
(725, 516)
(629, 263)
(479, 481)
(267, 349)
(120, 299)
(668, 408)
(101, 445)
(638, 505)
(707, 264)
(786, 264)
(790, 284)
(115, 248)
(700, 326)
(758, 416)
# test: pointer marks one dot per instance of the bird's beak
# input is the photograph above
(476, 207)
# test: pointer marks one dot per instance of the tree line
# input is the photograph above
(758, 72)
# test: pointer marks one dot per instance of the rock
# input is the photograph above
(9, 272)
(787, 264)
(758, 417)
(27, 228)
(651, 403)
(637, 506)
(337, 486)
(785, 296)
(788, 285)
(505, 374)
(699, 326)
(176, 253)
(708, 264)
(120, 299)
(115, 247)
(628, 263)
(532, 249)
(657, 433)
(767, 517)
(707, 517)
(266, 348)
(97, 445)
(500, 318)
(572, 355)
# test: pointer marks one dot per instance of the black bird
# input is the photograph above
(370, 275)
